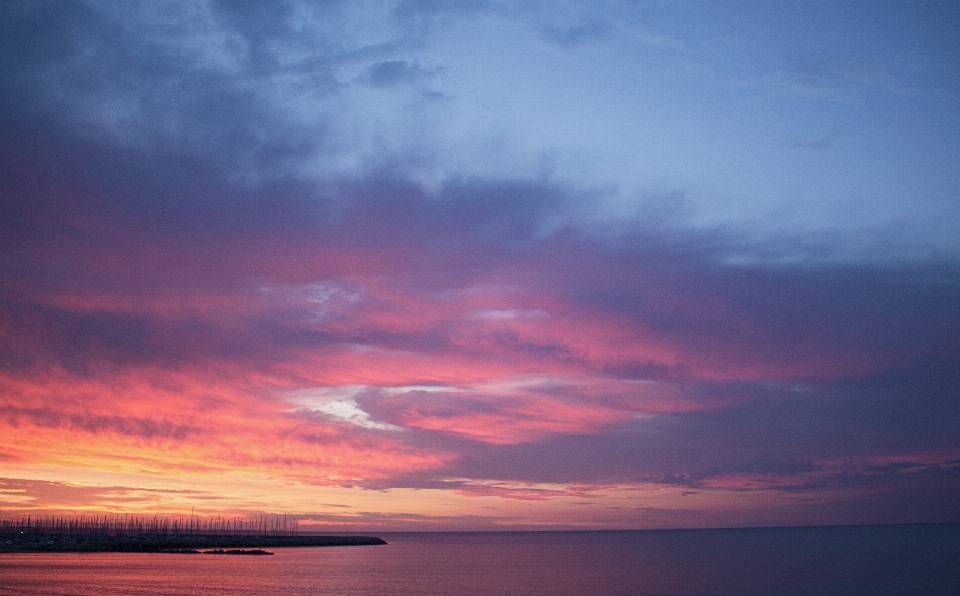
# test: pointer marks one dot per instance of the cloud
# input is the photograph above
(189, 421)
(560, 346)
(242, 238)
(507, 314)
(392, 73)
(816, 143)
(403, 521)
(574, 35)
(338, 404)
(518, 491)
(239, 90)
(46, 495)
(522, 410)
(764, 474)
(431, 13)
(146, 428)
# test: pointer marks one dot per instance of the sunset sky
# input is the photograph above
(475, 265)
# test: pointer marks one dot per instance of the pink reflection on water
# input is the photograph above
(915, 559)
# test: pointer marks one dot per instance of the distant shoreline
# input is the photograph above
(46, 543)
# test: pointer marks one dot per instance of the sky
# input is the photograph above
(421, 265)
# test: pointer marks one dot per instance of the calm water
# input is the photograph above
(792, 561)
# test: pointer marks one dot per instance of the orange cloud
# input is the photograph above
(188, 422)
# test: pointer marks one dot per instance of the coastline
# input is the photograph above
(39, 543)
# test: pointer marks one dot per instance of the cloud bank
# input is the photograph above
(380, 253)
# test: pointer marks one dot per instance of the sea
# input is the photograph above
(844, 560)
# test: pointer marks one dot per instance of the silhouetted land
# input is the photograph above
(141, 535)
(147, 544)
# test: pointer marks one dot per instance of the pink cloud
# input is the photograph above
(522, 410)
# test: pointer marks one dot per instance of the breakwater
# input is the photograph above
(147, 543)
(137, 534)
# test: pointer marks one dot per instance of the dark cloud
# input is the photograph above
(814, 320)
(144, 428)
(906, 412)
(262, 22)
(392, 73)
(758, 466)
(799, 435)
(102, 76)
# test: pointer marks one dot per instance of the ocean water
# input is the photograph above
(874, 560)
